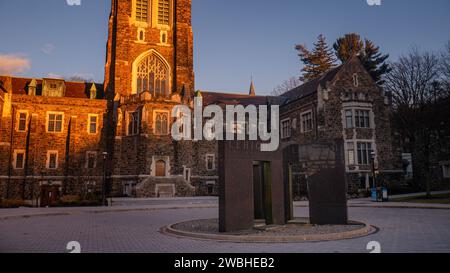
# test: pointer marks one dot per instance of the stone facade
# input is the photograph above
(36, 148)
(149, 71)
(148, 158)
(345, 104)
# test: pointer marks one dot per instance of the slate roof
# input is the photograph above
(232, 99)
(310, 87)
(73, 89)
(219, 98)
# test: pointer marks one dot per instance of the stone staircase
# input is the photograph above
(164, 187)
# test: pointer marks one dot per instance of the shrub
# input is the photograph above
(77, 201)
(12, 203)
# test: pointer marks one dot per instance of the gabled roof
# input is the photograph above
(210, 98)
(310, 87)
(19, 86)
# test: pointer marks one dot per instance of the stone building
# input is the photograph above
(345, 103)
(51, 135)
(48, 144)
(63, 138)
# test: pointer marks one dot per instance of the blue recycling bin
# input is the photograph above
(374, 195)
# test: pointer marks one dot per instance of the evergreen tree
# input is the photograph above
(373, 60)
(316, 62)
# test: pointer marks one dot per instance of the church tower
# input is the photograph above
(148, 71)
(150, 47)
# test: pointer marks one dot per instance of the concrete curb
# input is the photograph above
(412, 206)
(398, 207)
(197, 206)
(362, 232)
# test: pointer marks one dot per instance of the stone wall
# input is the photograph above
(177, 51)
(71, 144)
(327, 103)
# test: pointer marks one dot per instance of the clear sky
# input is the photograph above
(234, 39)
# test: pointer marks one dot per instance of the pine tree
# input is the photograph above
(316, 62)
(373, 60)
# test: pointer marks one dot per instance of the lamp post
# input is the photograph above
(374, 177)
(372, 158)
(104, 201)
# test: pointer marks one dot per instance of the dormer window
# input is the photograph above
(53, 88)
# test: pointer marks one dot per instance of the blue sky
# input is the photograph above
(234, 39)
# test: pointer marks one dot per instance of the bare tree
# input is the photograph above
(445, 67)
(286, 86)
(415, 86)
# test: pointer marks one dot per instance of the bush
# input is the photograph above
(70, 198)
(76, 201)
(12, 203)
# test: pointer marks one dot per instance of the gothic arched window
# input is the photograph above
(153, 76)
(162, 123)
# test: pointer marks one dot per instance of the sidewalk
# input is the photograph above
(151, 204)
(400, 196)
(6, 214)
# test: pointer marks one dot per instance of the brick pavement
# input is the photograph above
(401, 230)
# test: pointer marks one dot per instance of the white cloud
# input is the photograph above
(48, 49)
(54, 76)
(85, 77)
(13, 63)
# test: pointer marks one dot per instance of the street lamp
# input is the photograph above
(104, 201)
(372, 158)
(374, 179)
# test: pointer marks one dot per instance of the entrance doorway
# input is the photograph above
(160, 168)
(262, 191)
(50, 194)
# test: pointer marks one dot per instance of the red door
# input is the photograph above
(49, 195)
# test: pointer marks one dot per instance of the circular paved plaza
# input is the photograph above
(400, 230)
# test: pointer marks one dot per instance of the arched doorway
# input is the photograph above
(160, 168)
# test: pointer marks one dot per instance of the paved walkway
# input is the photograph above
(399, 196)
(400, 230)
(149, 204)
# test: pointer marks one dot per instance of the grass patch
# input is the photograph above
(435, 199)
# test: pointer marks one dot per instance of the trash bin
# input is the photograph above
(385, 194)
(374, 195)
